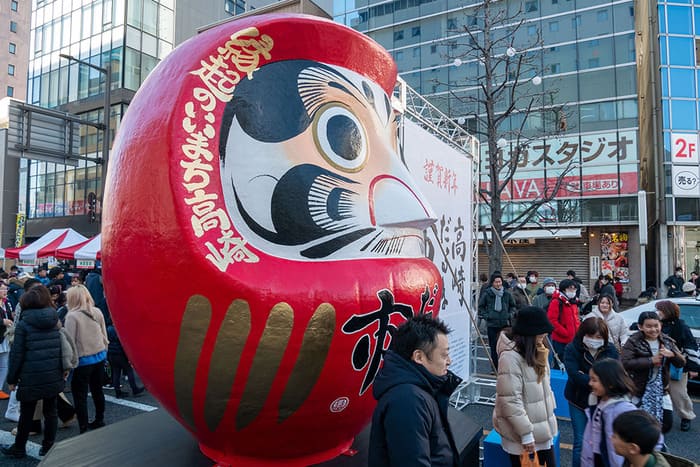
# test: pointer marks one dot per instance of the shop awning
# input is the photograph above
(89, 250)
(46, 245)
(539, 234)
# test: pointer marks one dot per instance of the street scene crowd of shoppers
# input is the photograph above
(54, 341)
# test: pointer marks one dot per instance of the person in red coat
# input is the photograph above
(563, 314)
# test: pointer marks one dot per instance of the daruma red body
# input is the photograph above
(261, 237)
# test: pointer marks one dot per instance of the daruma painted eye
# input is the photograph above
(267, 198)
(341, 138)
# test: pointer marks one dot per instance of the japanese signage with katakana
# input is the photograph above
(685, 173)
(601, 164)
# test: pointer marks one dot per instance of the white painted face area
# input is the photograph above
(334, 190)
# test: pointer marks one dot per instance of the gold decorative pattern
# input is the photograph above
(226, 356)
(265, 363)
(310, 362)
(193, 330)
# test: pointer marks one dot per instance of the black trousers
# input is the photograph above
(26, 414)
(88, 377)
(119, 363)
(544, 457)
(493, 333)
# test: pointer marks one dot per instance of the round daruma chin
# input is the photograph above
(261, 237)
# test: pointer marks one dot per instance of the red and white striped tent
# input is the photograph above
(46, 245)
(88, 249)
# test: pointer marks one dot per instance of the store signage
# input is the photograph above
(519, 241)
(684, 148)
(614, 255)
(84, 264)
(686, 180)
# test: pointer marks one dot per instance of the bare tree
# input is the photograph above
(507, 106)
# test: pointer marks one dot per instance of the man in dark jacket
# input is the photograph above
(675, 284)
(409, 425)
(497, 307)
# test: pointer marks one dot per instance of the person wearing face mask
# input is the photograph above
(590, 345)
(647, 356)
(542, 300)
(675, 283)
(617, 328)
(532, 286)
(520, 293)
(497, 308)
(563, 313)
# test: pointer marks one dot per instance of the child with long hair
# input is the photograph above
(611, 390)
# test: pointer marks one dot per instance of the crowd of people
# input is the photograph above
(56, 334)
(621, 388)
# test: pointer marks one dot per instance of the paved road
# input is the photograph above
(683, 444)
(116, 410)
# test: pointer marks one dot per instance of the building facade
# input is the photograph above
(582, 72)
(128, 37)
(14, 48)
(678, 76)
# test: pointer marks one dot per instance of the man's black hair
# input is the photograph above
(571, 273)
(418, 333)
(638, 427)
(31, 282)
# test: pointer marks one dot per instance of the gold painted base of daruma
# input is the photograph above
(304, 461)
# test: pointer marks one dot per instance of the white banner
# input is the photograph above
(444, 176)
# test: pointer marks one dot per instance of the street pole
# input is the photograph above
(105, 119)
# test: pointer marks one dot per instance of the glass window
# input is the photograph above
(679, 19)
(165, 25)
(681, 51)
(13, 48)
(531, 6)
(683, 115)
(682, 82)
(576, 21)
(531, 30)
(697, 52)
(553, 26)
(11, 70)
(593, 62)
(10, 91)
(602, 16)
(132, 69)
(433, 49)
(150, 16)
(415, 31)
(133, 13)
(13, 26)
(13, 5)
(107, 12)
(398, 35)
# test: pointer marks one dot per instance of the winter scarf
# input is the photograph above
(498, 306)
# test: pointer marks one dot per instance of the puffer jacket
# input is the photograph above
(35, 357)
(595, 432)
(563, 314)
(524, 407)
(683, 336)
(496, 319)
(636, 358)
(410, 425)
(578, 362)
(618, 333)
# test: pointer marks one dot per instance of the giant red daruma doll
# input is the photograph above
(262, 238)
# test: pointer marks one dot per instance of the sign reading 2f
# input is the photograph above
(684, 148)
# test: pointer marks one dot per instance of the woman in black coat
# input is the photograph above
(36, 365)
(590, 344)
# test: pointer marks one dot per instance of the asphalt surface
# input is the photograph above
(680, 443)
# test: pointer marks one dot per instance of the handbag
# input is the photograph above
(675, 372)
(530, 460)
(69, 354)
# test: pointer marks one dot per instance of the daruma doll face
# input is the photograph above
(262, 238)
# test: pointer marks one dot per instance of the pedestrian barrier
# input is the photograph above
(558, 379)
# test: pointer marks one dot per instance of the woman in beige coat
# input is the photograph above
(524, 413)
